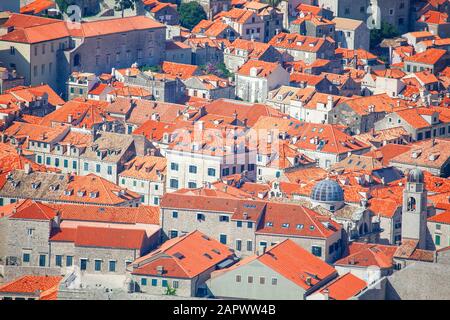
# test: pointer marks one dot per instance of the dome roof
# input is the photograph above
(415, 175)
(327, 191)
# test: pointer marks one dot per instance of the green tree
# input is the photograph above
(191, 13)
(121, 5)
(170, 291)
(386, 31)
(272, 3)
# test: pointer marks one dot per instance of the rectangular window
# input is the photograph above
(109, 170)
(238, 278)
(66, 163)
(317, 251)
(249, 245)
(58, 260)
(192, 169)
(47, 161)
(83, 264)
(175, 214)
(175, 284)
(86, 166)
(69, 261)
(274, 281)
(200, 216)
(174, 166)
(164, 283)
(174, 183)
(239, 224)
(74, 165)
(154, 282)
(97, 168)
(262, 280)
(437, 240)
(112, 266)
(211, 172)
(98, 265)
(26, 257)
(249, 225)
(56, 162)
(224, 218)
(143, 282)
(192, 185)
(173, 234)
(39, 159)
(250, 279)
(223, 238)
(225, 172)
(42, 259)
(238, 245)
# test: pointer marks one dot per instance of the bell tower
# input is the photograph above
(414, 212)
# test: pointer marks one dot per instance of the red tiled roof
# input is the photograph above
(430, 56)
(344, 287)
(443, 217)
(34, 211)
(295, 220)
(37, 6)
(183, 257)
(368, 254)
(295, 41)
(124, 215)
(263, 68)
(181, 70)
(107, 237)
(292, 262)
(30, 284)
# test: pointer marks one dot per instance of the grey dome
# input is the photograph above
(327, 191)
(415, 175)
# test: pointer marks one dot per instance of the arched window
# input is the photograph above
(411, 204)
(76, 60)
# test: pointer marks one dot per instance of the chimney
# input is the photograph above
(330, 102)
(200, 125)
(326, 294)
(308, 281)
(160, 270)
(27, 168)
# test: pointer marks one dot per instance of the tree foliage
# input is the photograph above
(122, 5)
(272, 3)
(170, 291)
(386, 31)
(191, 13)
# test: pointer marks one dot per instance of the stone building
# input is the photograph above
(374, 12)
(237, 53)
(351, 34)
(98, 240)
(163, 87)
(296, 47)
(81, 151)
(64, 188)
(145, 175)
(284, 271)
(256, 78)
(182, 264)
(249, 226)
(49, 50)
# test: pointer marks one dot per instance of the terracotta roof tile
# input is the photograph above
(344, 287)
(30, 284)
(106, 237)
(183, 257)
